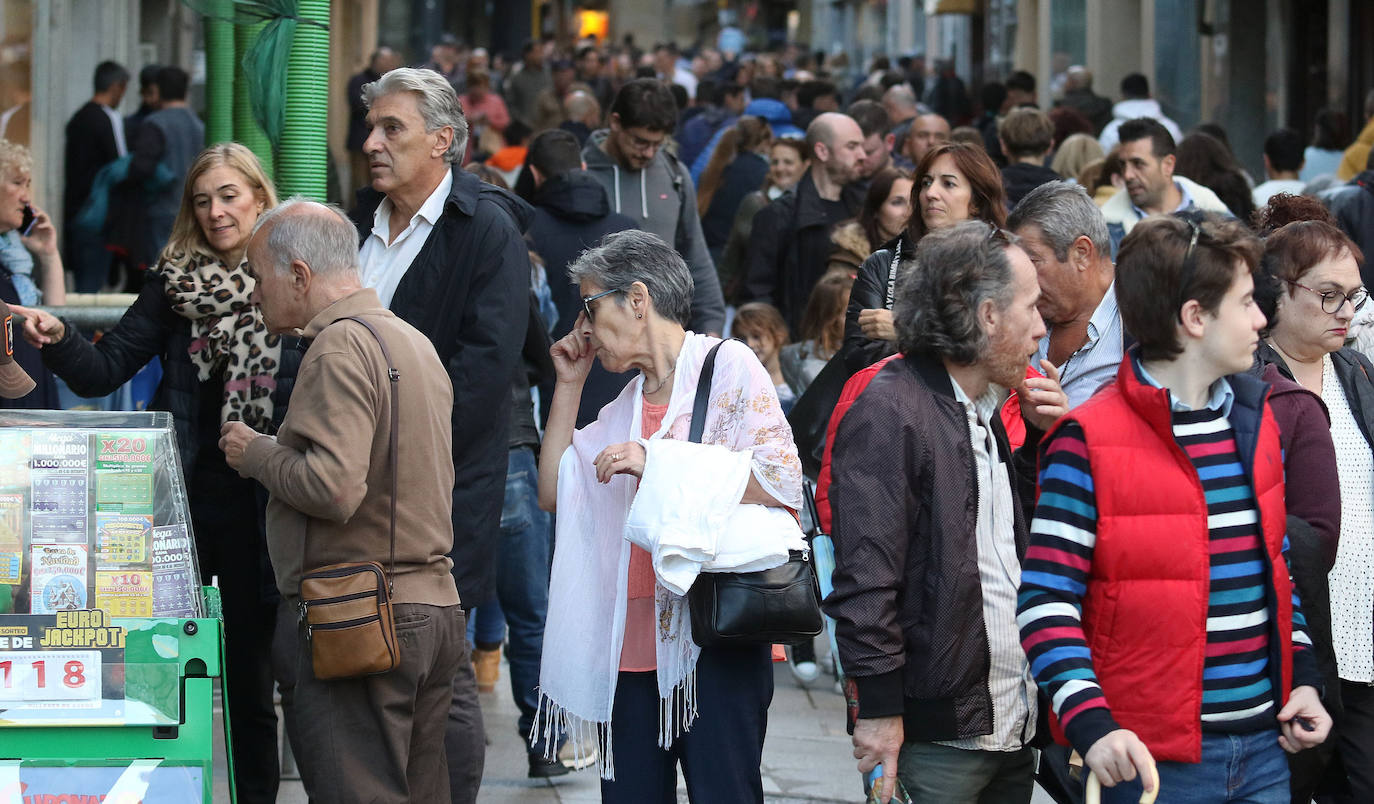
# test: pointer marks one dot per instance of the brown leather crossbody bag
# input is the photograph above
(346, 608)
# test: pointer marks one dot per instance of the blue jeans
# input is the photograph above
(1239, 768)
(522, 584)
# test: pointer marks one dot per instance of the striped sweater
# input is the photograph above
(1237, 694)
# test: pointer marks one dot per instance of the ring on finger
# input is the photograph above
(616, 457)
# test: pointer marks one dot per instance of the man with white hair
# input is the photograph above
(340, 481)
(444, 252)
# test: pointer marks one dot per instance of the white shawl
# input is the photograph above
(690, 525)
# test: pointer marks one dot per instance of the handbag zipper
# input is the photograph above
(340, 572)
(325, 601)
(310, 629)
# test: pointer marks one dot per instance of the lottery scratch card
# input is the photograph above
(124, 593)
(122, 538)
(59, 578)
(176, 585)
(124, 472)
(60, 500)
(11, 538)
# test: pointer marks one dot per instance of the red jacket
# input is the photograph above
(1010, 413)
(1145, 610)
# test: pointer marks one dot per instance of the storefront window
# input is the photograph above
(1176, 83)
(16, 69)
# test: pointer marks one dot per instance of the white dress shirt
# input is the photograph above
(384, 263)
(1010, 684)
(116, 123)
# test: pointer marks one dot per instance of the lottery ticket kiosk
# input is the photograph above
(107, 657)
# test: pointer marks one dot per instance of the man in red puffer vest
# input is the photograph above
(1155, 606)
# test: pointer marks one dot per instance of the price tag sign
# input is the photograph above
(57, 679)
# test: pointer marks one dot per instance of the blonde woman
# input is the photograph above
(1075, 153)
(30, 266)
(219, 364)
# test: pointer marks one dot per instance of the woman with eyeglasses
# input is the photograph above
(1310, 292)
(619, 657)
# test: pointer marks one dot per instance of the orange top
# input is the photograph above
(637, 652)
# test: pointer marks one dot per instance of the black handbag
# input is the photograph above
(781, 605)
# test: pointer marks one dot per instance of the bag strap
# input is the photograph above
(394, 375)
(891, 295)
(703, 397)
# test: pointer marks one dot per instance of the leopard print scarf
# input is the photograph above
(229, 338)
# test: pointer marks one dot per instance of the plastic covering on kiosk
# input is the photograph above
(97, 569)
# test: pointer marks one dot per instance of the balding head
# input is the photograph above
(384, 60)
(900, 102)
(1078, 77)
(836, 144)
(581, 107)
(304, 256)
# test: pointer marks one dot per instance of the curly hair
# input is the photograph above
(935, 310)
(1286, 208)
(15, 157)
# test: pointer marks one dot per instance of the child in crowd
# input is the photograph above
(762, 329)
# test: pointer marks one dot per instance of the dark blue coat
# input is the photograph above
(468, 292)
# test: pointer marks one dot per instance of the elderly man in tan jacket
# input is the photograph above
(379, 737)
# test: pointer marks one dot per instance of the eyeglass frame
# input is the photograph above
(1345, 297)
(587, 300)
(1189, 267)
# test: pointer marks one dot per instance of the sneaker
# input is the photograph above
(805, 672)
(487, 665)
(541, 768)
(573, 759)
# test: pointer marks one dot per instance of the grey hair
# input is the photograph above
(1064, 212)
(936, 301)
(296, 230)
(439, 104)
(624, 258)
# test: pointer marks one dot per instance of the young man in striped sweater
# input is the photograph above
(1155, 606)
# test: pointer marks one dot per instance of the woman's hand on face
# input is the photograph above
(42, 238)
(877, 325)
(40, 328)
(573, 354)
(620, 459)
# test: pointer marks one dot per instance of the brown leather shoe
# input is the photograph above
(487, 665)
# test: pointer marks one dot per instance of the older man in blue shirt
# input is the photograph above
(1065, 235)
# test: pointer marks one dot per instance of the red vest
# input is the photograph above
(1145, 610)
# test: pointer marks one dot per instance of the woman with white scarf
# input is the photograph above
(640, 512)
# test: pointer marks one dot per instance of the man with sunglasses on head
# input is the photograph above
(1156, 605)
(635, 160)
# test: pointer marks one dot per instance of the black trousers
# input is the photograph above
(230, 545)
(1354, 736)
(721, 754)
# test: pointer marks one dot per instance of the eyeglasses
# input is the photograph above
(1189, 263)
(587, 301)
(1334, 300)
(641, 145)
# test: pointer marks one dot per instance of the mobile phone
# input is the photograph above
(29, 220)
(871, 781)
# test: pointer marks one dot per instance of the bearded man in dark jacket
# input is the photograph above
(444, 252)
(789, 247)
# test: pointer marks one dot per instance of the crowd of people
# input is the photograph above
(1086, 407)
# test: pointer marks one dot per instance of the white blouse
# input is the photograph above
(1352, 578)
